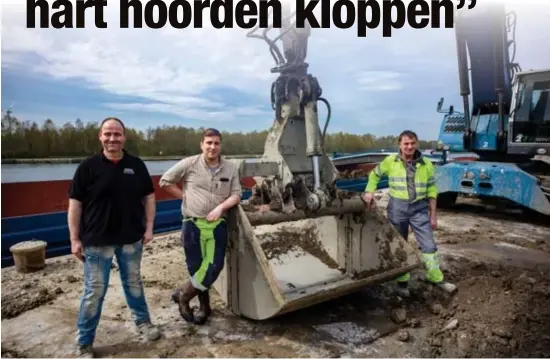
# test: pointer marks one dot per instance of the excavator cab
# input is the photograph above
(299, 240)
(505, 118)
(529, 124)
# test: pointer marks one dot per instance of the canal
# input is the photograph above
(34, 172)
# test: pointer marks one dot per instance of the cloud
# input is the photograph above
(179, 72)
(209, 112)
(170, 69)
(379, 81)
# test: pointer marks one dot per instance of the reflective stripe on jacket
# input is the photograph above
(393, 167)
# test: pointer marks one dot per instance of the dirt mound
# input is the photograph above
(19, 302)
(25, 291)
(498, 311)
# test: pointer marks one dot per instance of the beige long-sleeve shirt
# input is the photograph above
(203, 188)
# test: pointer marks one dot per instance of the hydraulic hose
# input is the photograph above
(327, 121)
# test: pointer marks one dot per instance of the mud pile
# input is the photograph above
(286, 240)
(498, 311)
(23, 292)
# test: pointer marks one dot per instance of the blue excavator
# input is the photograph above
(505, 119)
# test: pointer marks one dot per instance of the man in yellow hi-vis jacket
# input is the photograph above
(413, 195)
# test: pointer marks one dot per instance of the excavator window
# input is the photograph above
(534, 109)
(540, 109)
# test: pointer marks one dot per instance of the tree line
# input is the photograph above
(24, 139)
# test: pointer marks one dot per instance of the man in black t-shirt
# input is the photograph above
(111, 213)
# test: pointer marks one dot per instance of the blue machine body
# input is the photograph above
(452, 128)
(451, 132)
(485, 129)
(493, 179)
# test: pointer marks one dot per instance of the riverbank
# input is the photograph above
(59, 160)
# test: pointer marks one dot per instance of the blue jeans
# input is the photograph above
(97, 269)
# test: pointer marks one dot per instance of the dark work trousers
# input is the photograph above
(403, 214)
(204, 244)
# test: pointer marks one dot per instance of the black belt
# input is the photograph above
(195, 218)
(191, 218)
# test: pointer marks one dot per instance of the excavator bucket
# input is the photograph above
(279, 263)
(318, 246)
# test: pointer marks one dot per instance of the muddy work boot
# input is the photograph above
(204, 310)
(403, 285)
(433, 273)
(446, 286)
(84, 351)
(182, 297)
(151, 332)
(403, 289)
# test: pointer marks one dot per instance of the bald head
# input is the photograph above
(112, 135)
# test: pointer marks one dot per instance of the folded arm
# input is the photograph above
(170, 179)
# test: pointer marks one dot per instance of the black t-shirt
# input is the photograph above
(112, 194)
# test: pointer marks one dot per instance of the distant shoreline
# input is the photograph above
(60, 160)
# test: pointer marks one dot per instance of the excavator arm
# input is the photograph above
(308, 176)
(483, 35)
(314, 242)
(493, 88)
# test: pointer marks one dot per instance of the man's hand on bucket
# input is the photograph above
(369, 200)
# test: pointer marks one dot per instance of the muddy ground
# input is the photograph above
(501, 309)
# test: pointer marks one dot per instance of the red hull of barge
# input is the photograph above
(31, 198)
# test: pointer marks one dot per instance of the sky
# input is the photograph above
(220, 78)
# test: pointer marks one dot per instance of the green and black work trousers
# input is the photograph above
(204, 244)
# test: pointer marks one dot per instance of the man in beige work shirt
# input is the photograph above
(211, 186)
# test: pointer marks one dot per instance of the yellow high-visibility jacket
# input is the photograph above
(393, 167)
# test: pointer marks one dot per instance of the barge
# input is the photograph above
(38, 210)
